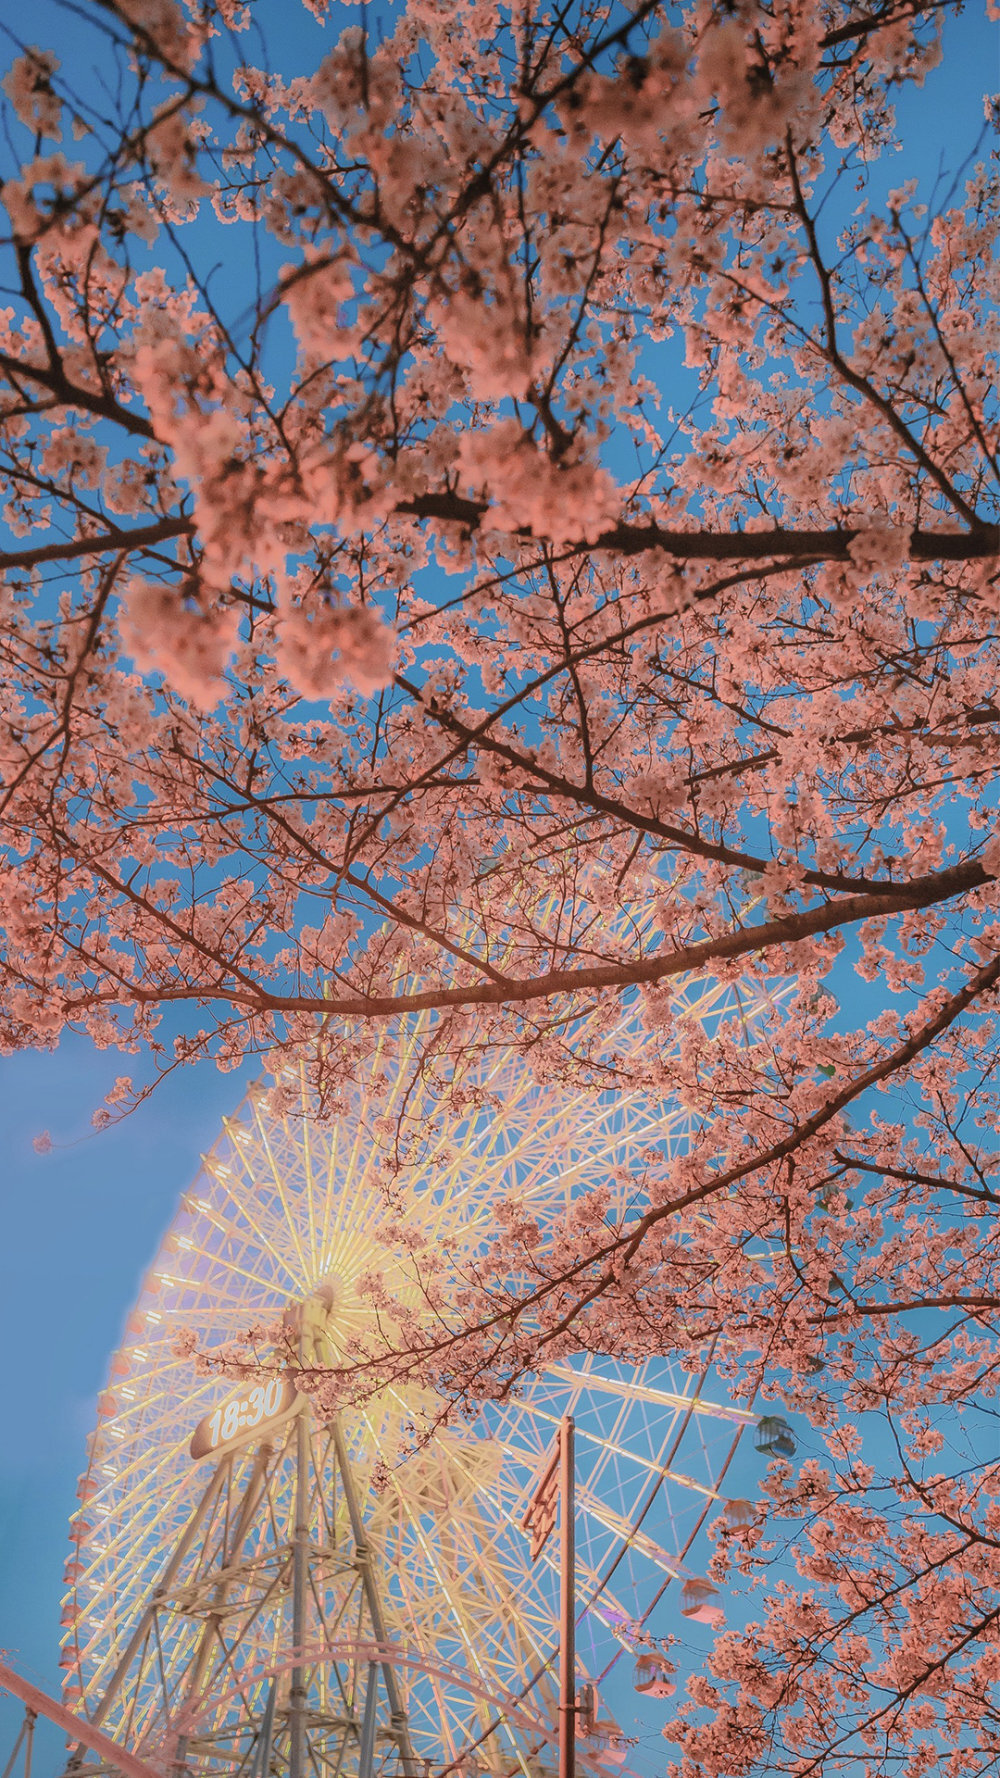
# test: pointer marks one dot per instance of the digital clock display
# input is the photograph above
(242, 1414)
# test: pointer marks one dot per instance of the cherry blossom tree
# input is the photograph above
(500, 520)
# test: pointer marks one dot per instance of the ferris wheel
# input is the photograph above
(258, 1584)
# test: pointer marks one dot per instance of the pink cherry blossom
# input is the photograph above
(500, 529)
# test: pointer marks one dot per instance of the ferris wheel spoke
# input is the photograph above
(247, 1218)
(444, 1582)
(625, 1388)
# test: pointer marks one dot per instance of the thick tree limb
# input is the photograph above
(721, 546)
(691, 959)
(132, 538)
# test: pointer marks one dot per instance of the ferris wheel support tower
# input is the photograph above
(218, 1577)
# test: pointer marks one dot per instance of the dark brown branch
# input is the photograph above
(690, 959)
(89, 401)
(626, 539)
(871, 22)
(684, 839)
(137, 537)
(907, 1176)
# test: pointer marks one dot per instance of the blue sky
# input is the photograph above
(81, 1223)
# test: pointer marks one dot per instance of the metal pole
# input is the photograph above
(262, 1754)
(366, 1755)
(252, 1493)
(567, 1603)
(155, 1599)
(29, 1742)
(300, 1583)
(363, 1557)
(29, 1716)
